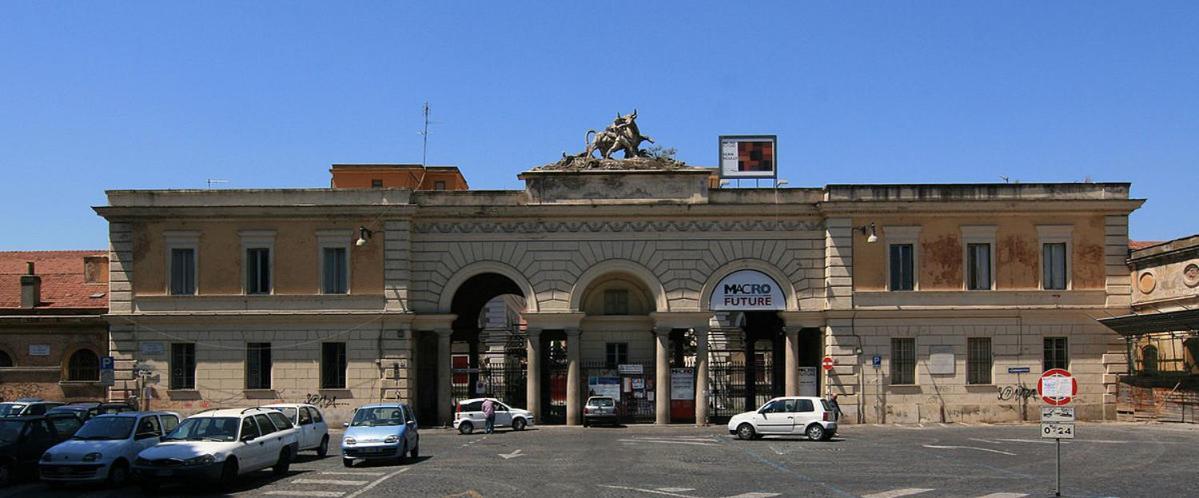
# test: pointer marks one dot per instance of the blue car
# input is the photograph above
(380, 431)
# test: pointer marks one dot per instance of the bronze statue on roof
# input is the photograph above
(621, 135)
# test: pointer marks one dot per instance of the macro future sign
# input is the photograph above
(747, 290)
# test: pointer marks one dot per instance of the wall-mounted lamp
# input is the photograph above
(873, 237)
(364, 234)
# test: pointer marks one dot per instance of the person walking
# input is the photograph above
(836, 408)
(489, 414)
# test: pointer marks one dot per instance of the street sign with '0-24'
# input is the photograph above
(1057, 431)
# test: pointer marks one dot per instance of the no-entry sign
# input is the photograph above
(827, 363)
(1057, 387)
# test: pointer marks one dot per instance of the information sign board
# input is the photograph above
(630, 369)
(1057, 414)
(1057, 430)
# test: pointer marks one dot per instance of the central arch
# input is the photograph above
(619, 266)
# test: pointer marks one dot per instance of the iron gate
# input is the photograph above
(505, 382)
(633, 405)
(732, 391)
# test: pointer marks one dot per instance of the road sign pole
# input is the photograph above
(1057, 490)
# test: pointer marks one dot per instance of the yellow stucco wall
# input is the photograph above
(1017, 252)
(296, 263)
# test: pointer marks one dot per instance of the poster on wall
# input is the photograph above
(747, 290)
(809, 378)
(682, 383)
(940, 360)
(749, 156)
(603, 386)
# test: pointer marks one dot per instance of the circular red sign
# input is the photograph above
(827, 363)
(1056, 375)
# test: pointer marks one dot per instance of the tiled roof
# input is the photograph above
(63, 285)
(1141, 244)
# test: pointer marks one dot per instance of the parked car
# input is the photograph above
(26, 406)
(805, 415)
(24, 439)
(310, 423)
(85, 410)
(600, 410)
(218, 446)
(468, 416)
(103, 449)
(380, 431)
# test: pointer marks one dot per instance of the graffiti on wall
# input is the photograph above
(1015, 392)
(321, 400)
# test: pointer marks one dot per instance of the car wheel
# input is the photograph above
(415, 453)
(518, 424)
(466, 428)
(118, 475)
(585, 423)
(348, 462)
(815, 432)
(323, 450)
(283, 463)
(746, 431)
(228, 473)
(403, 458)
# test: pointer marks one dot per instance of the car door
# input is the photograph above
(272, 439)
(503, 415)
(307, 429)
(147, 434)
(410, 431)
(805, 413)
(319, 426)
(249, 452)
(774, 419)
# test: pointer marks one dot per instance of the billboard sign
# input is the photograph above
(749, 156)
(747, 290)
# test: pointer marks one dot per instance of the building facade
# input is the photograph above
(1161, 378)
(687, 301)
(52, 326)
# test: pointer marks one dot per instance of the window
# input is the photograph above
(148, 427)
(335, 280)
(776, 406)
(84, 365)
(333, 365)
(265, 426)
(183, 365)
(305, 416)
(902, 268)
(316, 415)
(248, 429)
(169, 423)
(978, 360)
(258, 365)
(1056, 354)
(1149, 360)
(1053, 271)
(183, 271)
(258, 271)
(65, 426)
(616, 302)
(903, 361)
(38, 434)
(616, 353)
(805, 405)
(439, 185)
(978, 266)
(5, 359)
(280, 420)
(376, 183)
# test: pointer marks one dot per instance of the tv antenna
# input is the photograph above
(215, 180)
(424, 149)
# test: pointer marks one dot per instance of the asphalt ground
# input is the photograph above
(996, 461)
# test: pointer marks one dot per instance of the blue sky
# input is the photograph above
(97, 96)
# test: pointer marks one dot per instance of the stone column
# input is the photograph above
(533, 376)
(444, 375)
(574, 404)
(791, 377)
(662, 382)
(701, 375)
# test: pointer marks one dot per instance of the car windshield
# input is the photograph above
(373, 417)
(601, 402)
(106, 428)
(11, 409)
(10, 430)
(206, 429)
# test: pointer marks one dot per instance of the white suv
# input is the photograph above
(218, 446)
(806, 415)
(469, 416)
(310, 424)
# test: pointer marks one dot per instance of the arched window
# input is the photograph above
(5, 359)
(1149, 360)
(83, 365)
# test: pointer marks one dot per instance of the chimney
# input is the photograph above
(31, 287)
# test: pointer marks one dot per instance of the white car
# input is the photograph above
(310, 423)
(218, 446)
(103, 449)
(469, 416)
(805, 415)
